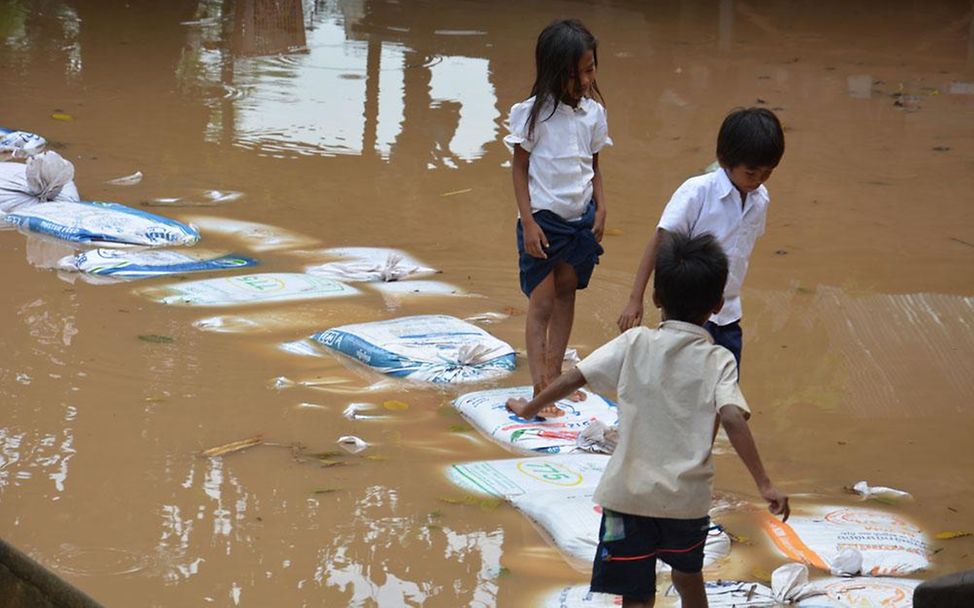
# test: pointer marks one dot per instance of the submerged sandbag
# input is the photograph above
(20, 144)
(428, 348)
(141, 264)
(253, 235)
(487, 412)
(100, 223)
(889, 544)
(43, 178)
(556, 493)
(247, 289)
(370, 264)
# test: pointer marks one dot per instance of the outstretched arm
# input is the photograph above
(535, 241)
(632, 314)
(563, 386)
(732, 417)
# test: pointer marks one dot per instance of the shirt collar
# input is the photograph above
(725, 187)
(584, 106)
(688, 328)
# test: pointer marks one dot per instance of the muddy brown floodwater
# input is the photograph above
(380, 123)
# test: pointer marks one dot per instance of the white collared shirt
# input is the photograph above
(671, 383)
(711, 203)
(560, 171)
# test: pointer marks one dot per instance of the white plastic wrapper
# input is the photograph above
(427, 348)
(487, 412)
(370, 264)
(889, 544)
(101, 224)
(122, 264)
(20, 144)
(43, 178)
(247, 289)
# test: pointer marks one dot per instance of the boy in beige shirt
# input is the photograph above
(674, 387)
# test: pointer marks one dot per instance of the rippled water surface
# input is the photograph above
(283, 129)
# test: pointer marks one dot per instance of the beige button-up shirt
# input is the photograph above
(671, 382)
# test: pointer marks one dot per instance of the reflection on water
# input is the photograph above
(360, 555)
(328, 90)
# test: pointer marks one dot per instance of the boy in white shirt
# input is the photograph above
(730, 203)
(674, 386)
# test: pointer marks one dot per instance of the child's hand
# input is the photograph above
(535, 241)
(777, 502)
(632, 315)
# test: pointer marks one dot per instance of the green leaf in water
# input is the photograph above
(156, 338)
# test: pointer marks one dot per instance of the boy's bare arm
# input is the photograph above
(732, 417)
(598, 193)
(632, 314)
(535, 241)
(564, 385)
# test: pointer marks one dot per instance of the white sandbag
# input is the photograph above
(863, 592)
(579, 596)
(789, 584)
(511, 477)
(428, 348)
(370, 264)
(141, 264)
(256, 236)
(101, 224)
(571, 519)
(247, 289)
(43, 178)
(487, 412)
(555, 493)
(20, 144)
(732, 594)
(889, 544)
(398, 289)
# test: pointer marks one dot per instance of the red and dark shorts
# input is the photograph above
(629, 545)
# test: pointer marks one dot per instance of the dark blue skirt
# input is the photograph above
(569, 242)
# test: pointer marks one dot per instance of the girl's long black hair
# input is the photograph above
(560, 47)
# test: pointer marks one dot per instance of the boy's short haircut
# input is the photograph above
(752, 137)
(690, 275)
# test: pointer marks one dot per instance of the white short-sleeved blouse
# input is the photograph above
(560, 171)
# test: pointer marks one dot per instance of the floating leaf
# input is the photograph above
(233, 446)
(327, 455)
(156, 338)
(331, 463)
(487, 504)
(503, 571)
(375, 458)
(62, 116)
(613, 232)
(455, 192)
(761, 574)
(460, 428)
(326, 491)
(951, 535)
(395, 406)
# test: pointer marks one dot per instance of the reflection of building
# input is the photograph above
(352, 90)
(264, 27)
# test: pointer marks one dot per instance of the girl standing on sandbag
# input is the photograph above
(557, 134)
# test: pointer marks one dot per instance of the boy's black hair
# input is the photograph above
(752, 137)
(690, 276)
(559, 49)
